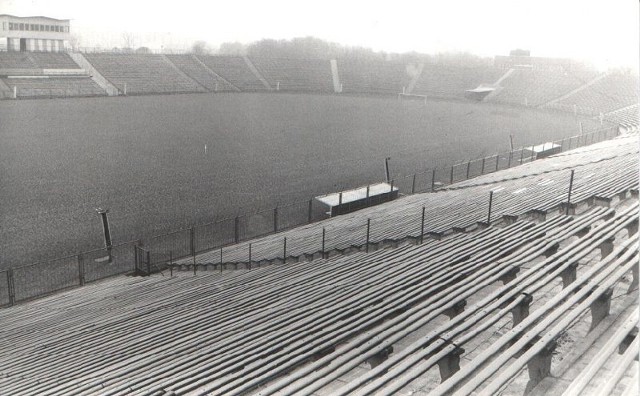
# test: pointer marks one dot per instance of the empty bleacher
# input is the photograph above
(614, 91)
(301, 75)
(52, 60)
(535, 87)
(373, 76)
(52, 87)
(235, 70)
(415, 319)
(16, 60)
(142, 74)
(452, 81)
(628, 117)
(194, 68)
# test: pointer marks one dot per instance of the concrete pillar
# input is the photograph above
(569, 275)
(540, 366)
(628, 340)
(632, 228)
(482, 225)
(510, 275)
(538, 215)
(450, 364)
(600, 308)
(521, 311)
(572, 208)
(435, 235)
(551, 251)
(634, 193)
(606, 247)
(456, 309)
(379, 357)
(509, 219)
(583, 232)
(602, 201)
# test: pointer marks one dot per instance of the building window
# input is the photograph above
(26, 26)
(42, 28)
(22, 26)
(47, 28)
(57, 28)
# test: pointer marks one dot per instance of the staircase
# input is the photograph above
(257, 73)
(102, 82)
(5, 91)
(570, 93)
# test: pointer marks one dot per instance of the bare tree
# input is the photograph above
(200, 48)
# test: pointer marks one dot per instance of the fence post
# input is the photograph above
(220, 259)
(532, 153)
(521, 155)
(413, 184)
(366, 248)
(171, 263)
(192, 241)
(284, 251)
(275, 219)
(249, 256)
(368, 199)
(433, 179)
(81, 269)
(194, 265)
(482, 170)
(451, 175)
(569, 197)
(310, 214)
(11, 286)
(490, 204)
(497, 160)
(468, 167)
(391, 189)
(148, 263)
(510, 157)
(422, 227)
(236, 229)
(340, 198)
(323, 236)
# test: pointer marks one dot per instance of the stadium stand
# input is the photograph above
(36, 60)
(235, 70)
(303, 75)
(615, 91)
(142, 74)
(451, 81)
(487, 307)
(535, 87)
(49, 87)
(524, 190)
(198, 71)
(373, 77)
(627, 117)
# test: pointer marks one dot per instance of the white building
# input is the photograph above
(36, 33)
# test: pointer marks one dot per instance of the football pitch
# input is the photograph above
(144, 158)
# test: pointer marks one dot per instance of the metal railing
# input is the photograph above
(42, 278)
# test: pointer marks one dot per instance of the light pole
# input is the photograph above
(386, 168)
(105, 228)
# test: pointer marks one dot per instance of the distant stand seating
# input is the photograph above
(142, 74)
(235, 70)
(535, 87)
(628, 117)
(16, 60)
(614, 91)
(53, 87)
(451, 81)
(373, 77)
(304, 75)
(53, 60)
(190, 66)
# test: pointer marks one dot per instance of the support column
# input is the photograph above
(551, 251)
(540, 366)
(600, 308)
(521, 311)
(632, 228)
(569, 275)
(509, 219)
(457, 309)
(379, 357)
(510, 275)
(606, 247)
(450, 364)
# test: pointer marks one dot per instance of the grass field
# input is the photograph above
(144, 158)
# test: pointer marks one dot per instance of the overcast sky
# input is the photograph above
(604, 32)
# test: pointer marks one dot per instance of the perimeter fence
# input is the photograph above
(159, 252)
